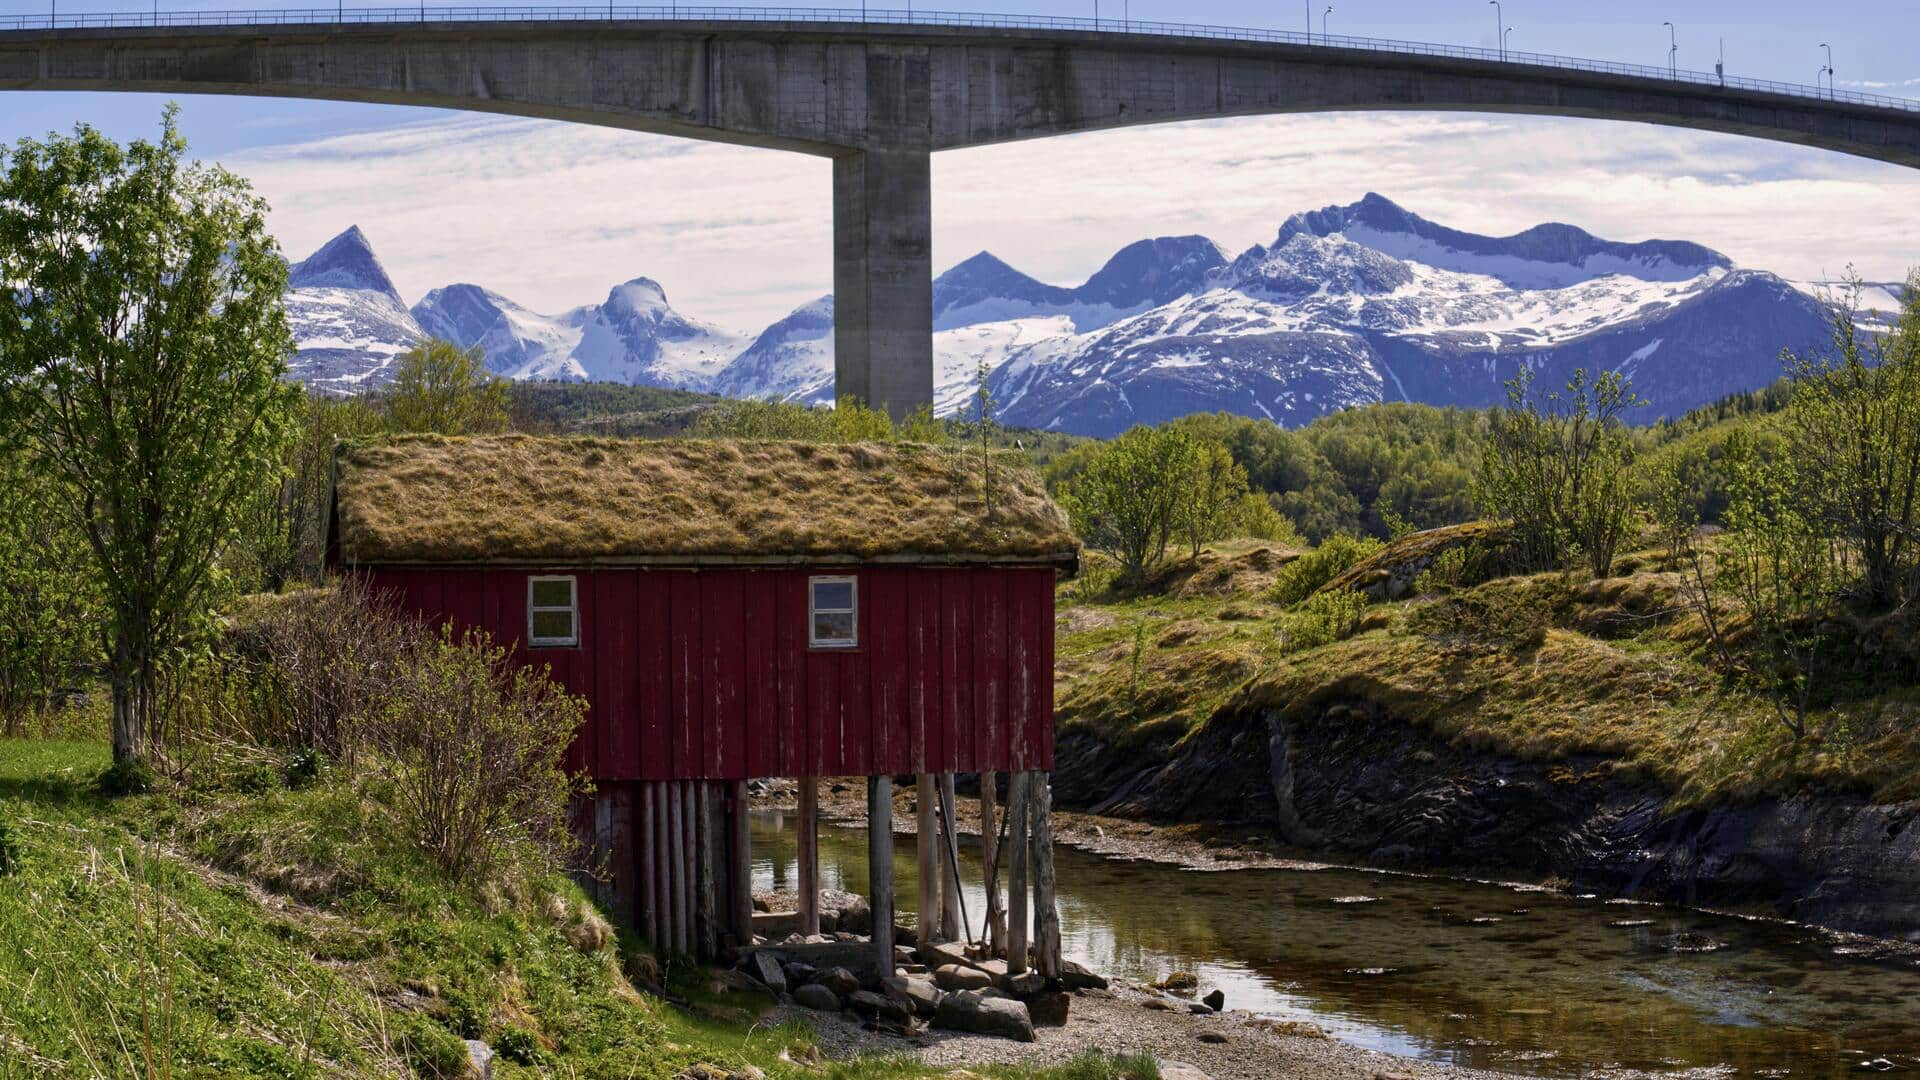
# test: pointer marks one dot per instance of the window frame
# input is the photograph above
(852, 581)
(572, 608)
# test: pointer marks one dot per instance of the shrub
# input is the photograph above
(1300, 578)
(124, 778)
(473, 745)
(1324, 619)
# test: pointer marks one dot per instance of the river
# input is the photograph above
(1494, 976)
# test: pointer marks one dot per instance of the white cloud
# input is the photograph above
(552, 214)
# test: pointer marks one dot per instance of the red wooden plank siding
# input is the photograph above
(1047, 629)
(823, 709)
(790, 672)
(464, 600)
(686, 715)
(1037, 634)
(990, 670)
(884, 595)
(723, 654)
(761, 682)
(856, 698)
(611, 637)
(653, 684)
(956, 670)
(1023, 657)
(923, 672)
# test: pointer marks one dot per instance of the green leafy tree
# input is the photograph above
(283, 527)
(1125, 498)
(1209, 503)
(847, 421)
(1853, 432)
(140, 367)
(49, 597)
(441, 388)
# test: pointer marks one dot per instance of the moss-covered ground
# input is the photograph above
(1546, 667)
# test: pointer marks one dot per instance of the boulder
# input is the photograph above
(920, 994)
(969, 1010)
(1079, 977)
(1049, 1009)
(798, 974)
(765, 966)
(1025, 984)
(1215, 1000)
(839, 980)
(816, 996)
(480, 1057)
(845, 912)
(1178, 982)
(868, 1003)
(955, 977)
(903, 957)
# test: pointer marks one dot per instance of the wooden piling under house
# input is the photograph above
(739, 610)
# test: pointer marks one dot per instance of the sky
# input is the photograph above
(553, 215)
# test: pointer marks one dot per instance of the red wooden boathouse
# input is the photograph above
(733, 610)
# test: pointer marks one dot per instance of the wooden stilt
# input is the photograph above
(926, 866)
(808, 851)
(677, 864)
(649, 860)
(1017, 807)
(707, 865)
(740, 884)
(1046, 915)
(996, 929)
(949, 869)
(880, 868)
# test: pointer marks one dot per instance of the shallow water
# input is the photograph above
(1488, 975)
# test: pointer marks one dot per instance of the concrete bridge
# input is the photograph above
(879, 99)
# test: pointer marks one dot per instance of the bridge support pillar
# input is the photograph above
(883, 279)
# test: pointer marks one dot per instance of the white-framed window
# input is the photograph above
(553, 611)
(833, 612)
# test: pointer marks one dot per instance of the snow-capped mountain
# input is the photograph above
(346, 316)
(1347, 305)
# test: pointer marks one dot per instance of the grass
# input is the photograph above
(1543, 667)
(518, 497)
(259, 931)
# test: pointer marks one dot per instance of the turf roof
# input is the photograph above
(526, 499)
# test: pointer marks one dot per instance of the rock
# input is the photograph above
(1213, 1037)
(765, 966)
(1687, 941)
(956, 977)
(1215, 1000)
(1180, 1070)
(839, 980)
(903, 956)
(739, 982)
(1079, 977)
(480, 1056)
(867, 1003)
(920, 995)
(1025, 984)
(1049, 1009)
(845, 912)
(1157, 1005)
(816, 996)
(969, 1010)
(1178, 982)
(1198, 1009)
(798, 974)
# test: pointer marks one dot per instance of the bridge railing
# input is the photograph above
(885, 17)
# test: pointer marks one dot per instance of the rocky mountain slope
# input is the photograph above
(1348, 305)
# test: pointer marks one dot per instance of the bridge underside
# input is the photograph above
(879, 100)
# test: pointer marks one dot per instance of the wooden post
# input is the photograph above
(1017, 806)
(996, 929)
(706, 865)
(677, 863)
(643, 855)
(808, 853)
(926, 864)
(1046, 915)
(880, 868)
(945, 858)
(740, 834)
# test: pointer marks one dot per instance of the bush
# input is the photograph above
(1300, 578)
(473, 745)
(124, 778)
(1324, 619)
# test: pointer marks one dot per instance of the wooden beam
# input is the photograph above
(740, 837)
(946, 858)
(926, 865)
(808, 853)
(677, 865)
(880, 868)
(643, 859)
(707, 865)
(996, 929)
(1017, 807)
(1046, 914)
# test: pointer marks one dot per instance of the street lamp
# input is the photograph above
(1499, 20)
(1324, 38)
(1309, 6)
(1829, 68)
(1673, 51)
(1503, 42)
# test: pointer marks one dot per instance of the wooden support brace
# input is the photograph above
(707, 865)
(880, 868)
(1046, 914)
(926, 866)
(996, 928)
(1017, 808)
(946, 857)
(649, 921)
(679, 940)
(808, 854)
(740, 883)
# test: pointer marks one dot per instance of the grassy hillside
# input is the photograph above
(250, 928)
(1542, 666)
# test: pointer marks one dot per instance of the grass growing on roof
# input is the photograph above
(433, 498)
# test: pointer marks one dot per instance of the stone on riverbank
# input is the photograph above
(970, 1010)
(956, 977)
(816, 996)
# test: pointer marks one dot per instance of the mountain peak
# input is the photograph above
(1153, 271)
(345, 262)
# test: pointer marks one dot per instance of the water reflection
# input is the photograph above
(1464, 972)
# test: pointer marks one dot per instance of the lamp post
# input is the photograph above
(1499, 20)
(1309, 9)
(1503, 42)
(1324, 38)
(1673, 51)
(1829, 68)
